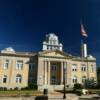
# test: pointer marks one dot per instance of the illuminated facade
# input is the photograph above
(45, 68)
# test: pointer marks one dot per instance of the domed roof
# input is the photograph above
(52, 36)
(8, 50)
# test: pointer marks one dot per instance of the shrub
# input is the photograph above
(16, 88)
(79, 93)
(1, 88)
(30, 87)
(25, 88)
(90, 92)
(5, 89)
(78, 86)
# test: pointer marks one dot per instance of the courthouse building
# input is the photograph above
(46, 67)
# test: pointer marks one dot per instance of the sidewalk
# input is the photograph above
(59, 96)
(51, 96)
(90, 97)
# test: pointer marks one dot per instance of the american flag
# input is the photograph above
(83, 32)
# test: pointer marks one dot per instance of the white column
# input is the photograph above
(61, 72)
(48, 72)
(45, 72)
(65, 68)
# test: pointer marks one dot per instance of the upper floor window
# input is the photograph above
(91, 68)
(19, 64)
(54, 42)
(6, 64)
(5, 79)
(18, 78)
(53, 67)
(31, 66)
(50, 42)
(83, 68)
(74, 67)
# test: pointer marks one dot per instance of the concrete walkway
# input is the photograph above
(57, 96)
(90, 97)
(51, 96)
(60, 97)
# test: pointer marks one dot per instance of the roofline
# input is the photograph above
(18, 54)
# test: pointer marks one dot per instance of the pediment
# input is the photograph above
(55, 53)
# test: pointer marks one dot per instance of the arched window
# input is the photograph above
(5, 79)
(83, 79)
(74, 67)
(18, 78)
(74, 79)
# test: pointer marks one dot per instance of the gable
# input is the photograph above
(54, 54)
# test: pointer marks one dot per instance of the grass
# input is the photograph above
(20, 92)
(91, 91)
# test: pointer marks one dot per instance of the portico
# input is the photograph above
(53, 72)
(52, 68)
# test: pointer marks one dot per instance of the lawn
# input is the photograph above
(91, 91)
(20, 93)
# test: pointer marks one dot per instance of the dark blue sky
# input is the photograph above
(24, 23)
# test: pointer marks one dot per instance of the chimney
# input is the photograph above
(84, 50)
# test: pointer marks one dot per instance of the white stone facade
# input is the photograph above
(47, 67)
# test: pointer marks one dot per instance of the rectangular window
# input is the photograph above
(53, 80)
(6, 64)
(19, 64)
(31, 66)
(54, 42)
(83, 68)
(74, 80)
(53, 67)
(5, 79)
(18, 78)
(91, 68)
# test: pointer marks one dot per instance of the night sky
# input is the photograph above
(24, 24)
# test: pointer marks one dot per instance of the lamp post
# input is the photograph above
(64, 97)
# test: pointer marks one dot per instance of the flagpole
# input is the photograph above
(83, 33)
(82, 58)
